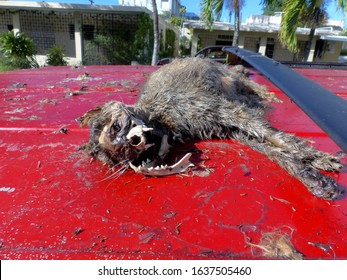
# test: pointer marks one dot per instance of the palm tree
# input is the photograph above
(308, 12)
(212, 10)
(156, 44)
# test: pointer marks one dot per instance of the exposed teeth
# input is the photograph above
(145, 129)
(164, 170)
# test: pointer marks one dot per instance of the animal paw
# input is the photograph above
(327, 162)
(321, 186)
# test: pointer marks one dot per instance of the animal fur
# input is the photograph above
(277, 245)
(198, 98)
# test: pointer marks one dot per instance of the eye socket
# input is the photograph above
(116, 127)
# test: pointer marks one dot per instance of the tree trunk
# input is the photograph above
(236, 27)
(155, 55)
(311, 36)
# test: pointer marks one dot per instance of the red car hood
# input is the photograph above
(56, 203)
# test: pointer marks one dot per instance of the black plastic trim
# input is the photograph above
(315, 65)
(325, 108)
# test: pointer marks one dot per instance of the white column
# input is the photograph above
(311, 55)
(16, 22)
(78, 36)
(195, 39)
(241, 41)
(262, 46)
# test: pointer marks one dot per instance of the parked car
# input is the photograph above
(213, 52)
(164, 61)
(57, 203)
(217, 53)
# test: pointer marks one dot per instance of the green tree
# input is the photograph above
(212, 11)
(144, 40)
(275, 6)
(309, 13)
(182, 12)
(175, 20)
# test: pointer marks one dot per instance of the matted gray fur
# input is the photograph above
(198, 98)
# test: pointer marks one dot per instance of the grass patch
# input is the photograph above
(4, 68)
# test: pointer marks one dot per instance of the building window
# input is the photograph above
(319, 48)
(270, 47)
(223, 43)
(72, 31)
(88, 32)
(225, 37)
(300, 55)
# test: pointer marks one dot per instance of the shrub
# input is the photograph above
(55, 56)
(18, 50)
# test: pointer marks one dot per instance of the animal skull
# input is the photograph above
(138, 141)
(137, 138)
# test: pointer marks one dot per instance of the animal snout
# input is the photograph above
(135, 140)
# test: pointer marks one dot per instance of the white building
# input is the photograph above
(171, 6)
(260, 34)
(74, 27)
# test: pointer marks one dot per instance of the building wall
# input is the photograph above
(110, 26)
(47, 29)
(281, 53)
(74, 31)
(5, 21)
(207, 38)
(332, 51)
(172, 6)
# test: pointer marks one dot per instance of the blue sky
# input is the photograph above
(252, 7)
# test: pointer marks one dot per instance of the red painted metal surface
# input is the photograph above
(58, 204)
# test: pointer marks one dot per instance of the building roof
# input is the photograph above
(52, 6)
(268, 28)
(334, 38)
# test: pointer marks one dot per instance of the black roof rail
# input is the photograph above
(325, 108)
(315, 65)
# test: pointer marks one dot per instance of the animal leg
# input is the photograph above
(291, 153)
(249, 122)
(317, 183)
(304, 152)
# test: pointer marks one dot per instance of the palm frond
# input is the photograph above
(292, 10)
(207, 11)
(267, 2)
(341, 4)
(211, 10)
